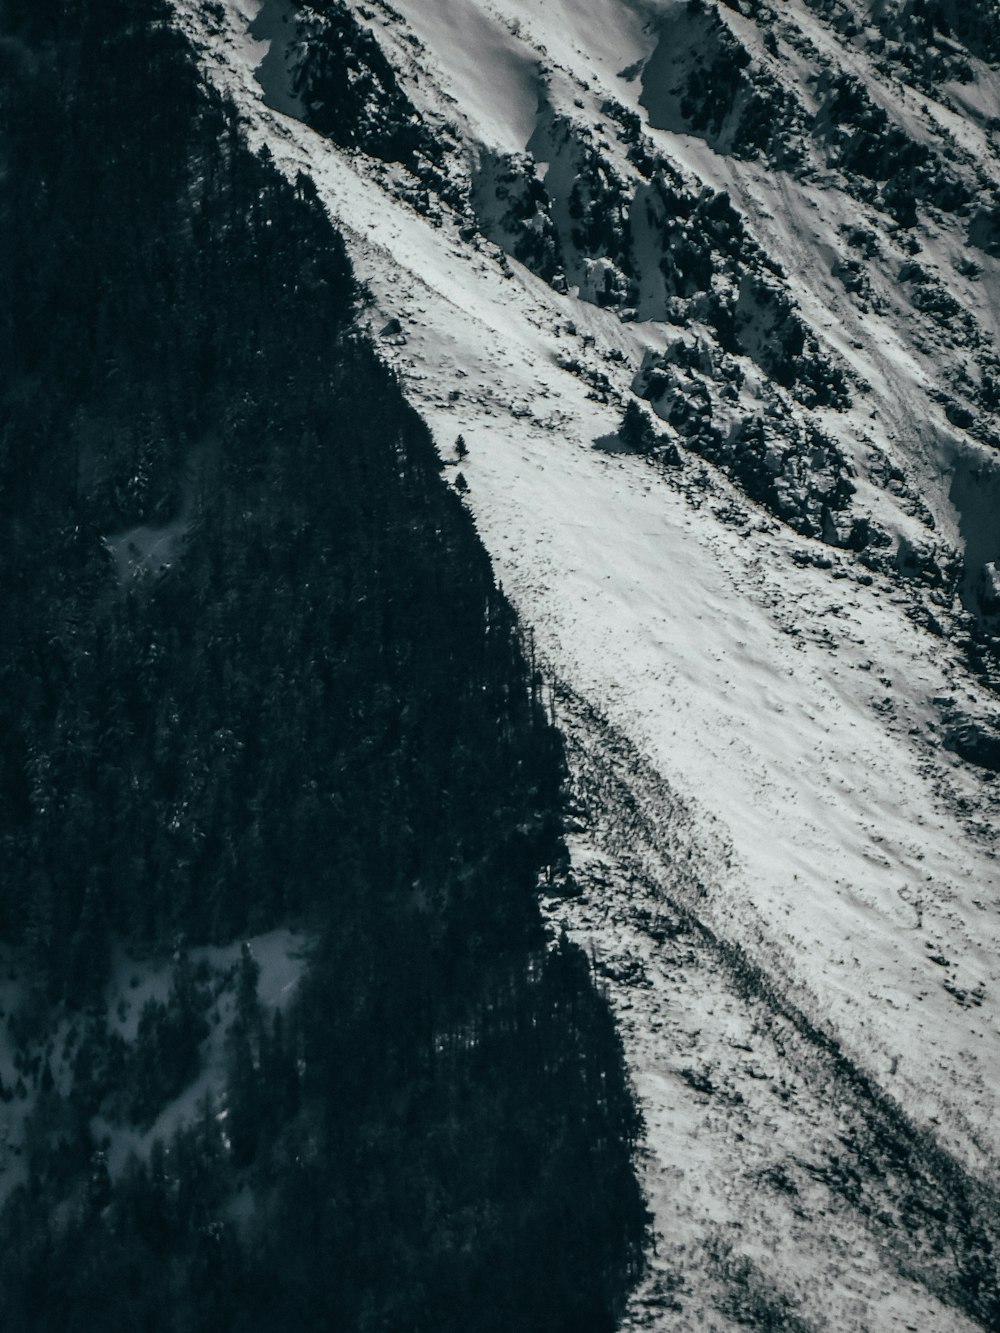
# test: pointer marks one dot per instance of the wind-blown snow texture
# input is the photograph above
(779, 225)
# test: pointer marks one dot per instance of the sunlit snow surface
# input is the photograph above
(784, 721)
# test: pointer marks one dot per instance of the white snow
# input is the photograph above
(495, 82)
(145, 549)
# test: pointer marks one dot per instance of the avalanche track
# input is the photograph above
(787, 880)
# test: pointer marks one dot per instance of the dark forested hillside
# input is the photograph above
(254, 669)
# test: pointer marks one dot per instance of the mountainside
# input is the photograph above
(285, 1042)
(710, 293)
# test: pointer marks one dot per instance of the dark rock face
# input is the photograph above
(515, 212)
(976, 23)
(984, 230)
(654, 242)
(703, 79)
(348, 90)
(975, 493)
(976, 741)
(797, 473)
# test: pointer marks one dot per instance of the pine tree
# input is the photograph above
(636, 431)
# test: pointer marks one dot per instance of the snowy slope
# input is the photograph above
(756, 713)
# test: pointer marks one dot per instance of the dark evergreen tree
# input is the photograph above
(636, 431)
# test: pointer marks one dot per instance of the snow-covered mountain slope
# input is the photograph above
(773, 626)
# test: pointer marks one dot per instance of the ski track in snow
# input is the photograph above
(790, 708)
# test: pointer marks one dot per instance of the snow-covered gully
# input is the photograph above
(788, 875)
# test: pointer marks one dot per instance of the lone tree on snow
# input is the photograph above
(636, 431)
(638, 434)
(461, 448)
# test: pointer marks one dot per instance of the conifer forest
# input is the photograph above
(256, 673)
